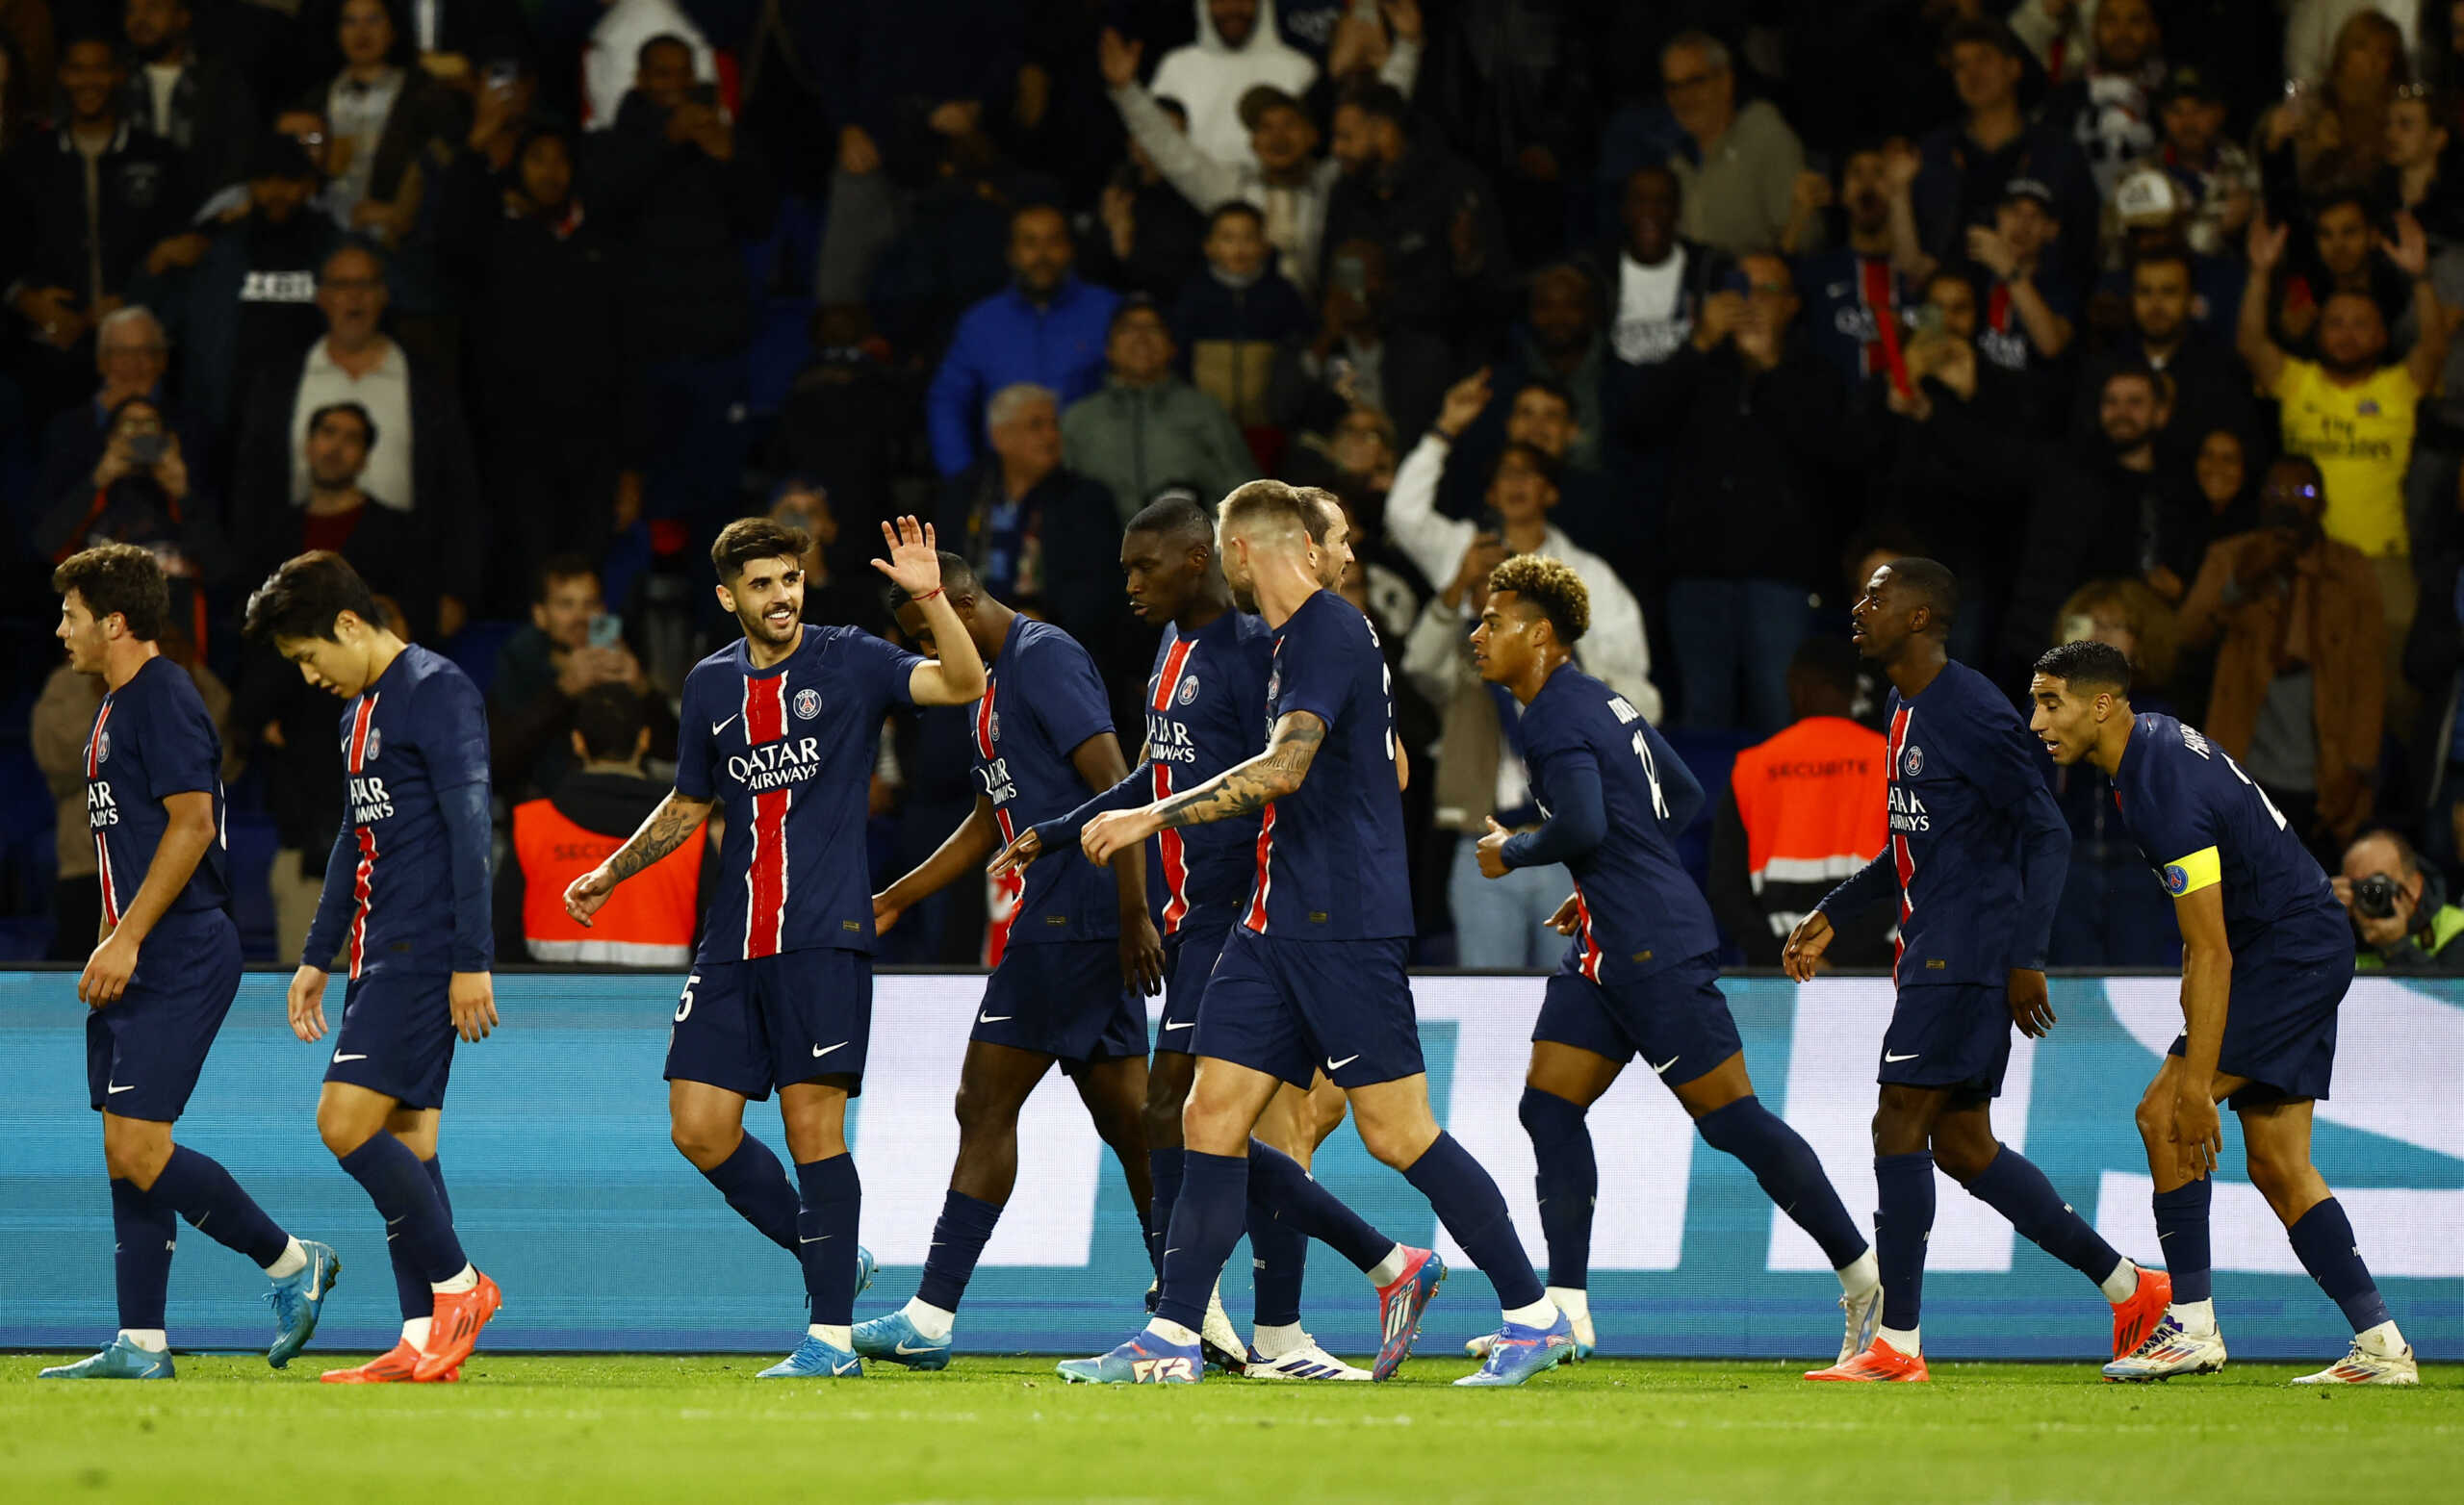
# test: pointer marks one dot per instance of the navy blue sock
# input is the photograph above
(2322, 1238)
(1206, 1223)
(406, 1195)
(1164, 1169)
(411, 1290)
(826, 1221)
(1472, 1210)
(1278, 1261)
(1903, 1220)
(1568, 1180)
(755, 1185)
(1282, 1192)
(2181, 1234)
(142, 1232)
(959, 1238)
(199, 1190)
(1790, 1173)
(2012, 1187)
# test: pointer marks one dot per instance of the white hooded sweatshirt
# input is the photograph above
(1209, 76)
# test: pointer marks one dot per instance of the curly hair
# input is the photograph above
(1550, 587)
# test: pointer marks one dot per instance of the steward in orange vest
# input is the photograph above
(651, 920)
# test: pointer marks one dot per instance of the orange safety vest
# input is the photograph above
(1811, 801)
(647, 922)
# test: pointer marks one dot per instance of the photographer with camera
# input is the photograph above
(2399, 907)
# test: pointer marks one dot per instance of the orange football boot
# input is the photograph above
(454, 1331)
(1879, 1362)
(2137, 1317)
(395, 1366)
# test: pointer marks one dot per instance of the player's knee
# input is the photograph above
(342, 1131)
(1163, 1123)
(700, 1142)
(2155, 1116)
(1896, 1131)
(1397, 1145)
(130, 1157)
(2274, 1170)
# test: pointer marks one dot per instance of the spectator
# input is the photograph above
(1960, 172)
(2057, 34)
(2352, 411)
(382, 117)
(2110, 109)
(392, 552)
(2399, 907)
(2330, 131)
(197, 103)
(2340, 260)
(420, 459)
(1802, 811)
(1046, 328)
(131, 354)
(843, 430)
(1021, 517)
(1277, 169)
(1736, 170)
(1361, 355)
(1144, 236)
(556, 838)
(2208, 388)
(1522, 488)
(2224, 481)
(840, 590)
(2027, 303)
(571, 648)
(2300, 697)
(97, 197)
(1854, 294)
(1562, 345)
(1661, 279)
(610, 60)
(1429, 211)
(1750, 418)
(1593, 506)
(2314, 31)
(677, 187)
(2215, 178)
(1237, 49)
(142, 491)
(249, 305)
(1147, 428)
(1237, 313)
(1354, 463)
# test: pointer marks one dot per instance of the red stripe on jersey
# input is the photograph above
(1878, 288)
(1998, 308)
(102, 848)
(765, 874)
(95, 740)
(1903, 860)
(1169, 678)
(1589, 966)
(983, 719)
(363, 880)
(1169, 850)
(1257, 918)
(356, 756)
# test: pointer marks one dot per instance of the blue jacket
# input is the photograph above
(1006, 339)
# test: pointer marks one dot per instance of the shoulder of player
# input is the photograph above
(435, 678)
(1042, 647)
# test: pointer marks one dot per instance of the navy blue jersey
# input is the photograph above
(1641, 910)
(1042, 698)
(787, 753)
(1850, 300)
(1978, 848)
(1330, 860)
(152, 739)
(415, 734)
(2201, 823)
(1205, 712)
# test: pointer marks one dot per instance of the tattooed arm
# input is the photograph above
(1243, 789)
(669, 826)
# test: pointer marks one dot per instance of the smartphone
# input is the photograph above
(1736, 282)
(500, 74)
(1352, 275)
(147, 450)
(1928, 319)
(704, 94)
(606, 630)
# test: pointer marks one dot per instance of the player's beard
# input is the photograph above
(759, 629)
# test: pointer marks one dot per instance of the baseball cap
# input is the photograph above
(2189, 81)
(2144, 198)
(2028, 188)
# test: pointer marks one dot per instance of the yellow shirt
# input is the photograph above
(2362, 437)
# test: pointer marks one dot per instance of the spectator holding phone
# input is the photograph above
(140, 492)
(572, 646)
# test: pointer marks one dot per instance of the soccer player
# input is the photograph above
(1082, 951)
(1642, 976)
(2267, 954)
(780, 731)
(1206, 712)
(407, 888)
(1976, 858)
(1313, 970)
(166, 968)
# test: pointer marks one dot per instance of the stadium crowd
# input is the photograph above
(2137, 313)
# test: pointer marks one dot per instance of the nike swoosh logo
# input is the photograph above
(903, 1348)
(824, 1239)
(1186, 1024)
(718, 726)
(819, 1051)
(1911, 1056)
(391, 1221)
(339, 1058)
(842, 1369)
(1338, 1065)
(984, 1018)
(1661, 1069)
(109, 1090)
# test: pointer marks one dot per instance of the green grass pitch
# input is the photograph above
(636, 1427)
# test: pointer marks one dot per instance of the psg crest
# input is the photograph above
(808, 705)
(103, 746)
(993, 726)
(370, 756)
(1189, 689)
(1912, 763)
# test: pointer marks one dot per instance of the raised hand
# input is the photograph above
(1117, 56)
(915, 562)
(2266, 245)
(2410, 250)
(1463, 403)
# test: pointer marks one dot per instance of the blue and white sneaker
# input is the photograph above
(1521, 1352)
(1145, 1360)
(1308, 1362)
(895, 1338)
(1586, 1342)
(815, 1360)
(866, 1268)
(299, 1299)
(120, 1359)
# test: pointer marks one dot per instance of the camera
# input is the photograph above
(147, 450)
(2375, 896)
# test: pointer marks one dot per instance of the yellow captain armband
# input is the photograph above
(2201, 869)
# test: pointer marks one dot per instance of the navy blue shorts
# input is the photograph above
(397, 1035)
(1293, 1008)
(143, 1050)
(1676, 1019)
(749, 1026)
(1949, 1034)
(2280, 1026)
(1063, 999)
(1189, 963)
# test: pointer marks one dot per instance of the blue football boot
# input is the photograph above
(895, 1338)
(1521, 1352)
(815, 1360)
(120, 1359)
(299, 1299)
(866, 1268)
(1145, 1360)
